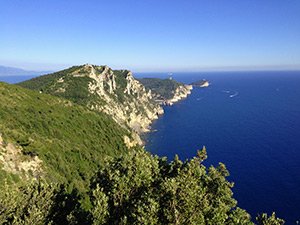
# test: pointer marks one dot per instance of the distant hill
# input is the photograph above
(201, 83)
(12, 71)
(166, 91)
(164, 87)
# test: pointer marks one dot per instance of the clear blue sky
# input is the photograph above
(151, 35)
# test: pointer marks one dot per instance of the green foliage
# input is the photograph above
(40, 203)
(263, 219)
(71, 140)
(72, 88)
(164, 87)
(43, 82)
(26, 205)
(142, 189)
(120, 77)
(124, 181)
(100, 206)
(136, 188)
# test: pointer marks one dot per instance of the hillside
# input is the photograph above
(102, 89)
(45, 136)
(166, 91)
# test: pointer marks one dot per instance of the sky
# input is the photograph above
(151, 35)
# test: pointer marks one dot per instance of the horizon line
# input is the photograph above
(192, 69)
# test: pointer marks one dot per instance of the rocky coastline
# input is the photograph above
(181, 93)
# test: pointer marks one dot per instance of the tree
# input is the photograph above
(263, 219)
(143, 189)
(26, 204)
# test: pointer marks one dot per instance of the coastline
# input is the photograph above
(181, 93)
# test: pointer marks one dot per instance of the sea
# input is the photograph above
(248, 120)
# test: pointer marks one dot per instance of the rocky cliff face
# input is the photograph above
(181, 92)
(13, 161)
(128, 103)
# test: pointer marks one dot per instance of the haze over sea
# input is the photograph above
(251, 122)
(248, 120)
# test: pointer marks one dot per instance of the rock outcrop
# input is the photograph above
(181, 92)
(128, 104)
(14, 161)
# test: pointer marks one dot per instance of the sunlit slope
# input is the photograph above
(70, 140)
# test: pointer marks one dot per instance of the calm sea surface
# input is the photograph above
(251, 122)
(248, 120)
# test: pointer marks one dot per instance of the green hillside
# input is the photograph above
(71, 140)
(77, 89)
(163, 87)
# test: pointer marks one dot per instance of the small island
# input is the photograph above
(201, 83)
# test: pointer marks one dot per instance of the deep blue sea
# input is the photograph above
(248, 120)
(251, 122)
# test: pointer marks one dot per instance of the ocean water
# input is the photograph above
(251, 122)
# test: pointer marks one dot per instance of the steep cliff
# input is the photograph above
(114, 92)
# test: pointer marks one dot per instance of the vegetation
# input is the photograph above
(163, 87)
(71, 140)
(76, 88)
(42, 82)
(136, 188)
(72, 88)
